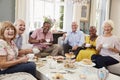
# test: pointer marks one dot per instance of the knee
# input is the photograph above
(31, 65)
(58, 47)
(93, 57)
(65, 45)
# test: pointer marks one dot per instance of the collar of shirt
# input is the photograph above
(74, 32)
(18, 36)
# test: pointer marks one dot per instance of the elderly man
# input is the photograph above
(43, 38)
(74, 40)
(20, 26)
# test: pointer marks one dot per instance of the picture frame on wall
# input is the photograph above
(85, 12)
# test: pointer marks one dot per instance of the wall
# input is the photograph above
(115, 16)
(7, 10)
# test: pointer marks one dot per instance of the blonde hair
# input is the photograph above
(3, 26)
(110, 22)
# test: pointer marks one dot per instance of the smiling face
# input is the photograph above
(74, 26)
(9, 33)
(107, 28)
(92, 31)
(20, 26)
(46, 27)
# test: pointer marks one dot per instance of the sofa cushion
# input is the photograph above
(17, 76)
(114, 68)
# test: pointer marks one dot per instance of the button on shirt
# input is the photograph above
(75, 38)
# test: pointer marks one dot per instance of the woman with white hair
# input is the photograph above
(108, 47)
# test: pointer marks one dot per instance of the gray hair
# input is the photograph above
(16, 21)
(110, 22)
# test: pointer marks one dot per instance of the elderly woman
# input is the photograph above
(90, 45)
(108, 47)
(9, 61)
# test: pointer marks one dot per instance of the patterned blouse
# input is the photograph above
(10, 50)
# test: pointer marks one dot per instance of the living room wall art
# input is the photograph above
(85, 12)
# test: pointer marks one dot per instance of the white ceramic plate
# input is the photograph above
(82, 64)
(31, 60)
(47, 43)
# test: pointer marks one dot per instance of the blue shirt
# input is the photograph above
(75, 38)
(18, 41)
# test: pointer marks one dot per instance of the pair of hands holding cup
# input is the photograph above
(44, 40)
(109, 47)
(87, 45)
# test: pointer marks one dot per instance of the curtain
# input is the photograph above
(68, 16)
(22, 12)
(93, 13)
(20, 9)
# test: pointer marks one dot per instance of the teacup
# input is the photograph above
(30, 56)
(87, 45)
(105, 46)
(47, 40)
(35, 50)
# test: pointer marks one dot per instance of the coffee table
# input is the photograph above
(90, 73)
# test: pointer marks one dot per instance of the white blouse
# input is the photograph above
(111, 42)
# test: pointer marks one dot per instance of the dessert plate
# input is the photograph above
(86, 65)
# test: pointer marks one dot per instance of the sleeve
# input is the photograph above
(117, 43)
(98, 42)
(82, 39)
(3, 48)
(34, 34)
(66, 39)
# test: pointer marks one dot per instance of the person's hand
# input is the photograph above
(99, 47)
(73, 61)
(50, 44)
(113, 50)
(42, 40)
(74, 47)
(23, 59)
(28, 50)
(64, 36)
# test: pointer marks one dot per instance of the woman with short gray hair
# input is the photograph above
(108, 47)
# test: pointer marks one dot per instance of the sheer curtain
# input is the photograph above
(68, 16)
(22, 12)
(20, 9)
(93, 13)
(99, 13)
(104, 14)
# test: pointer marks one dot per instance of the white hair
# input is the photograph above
(16, 21)
(110, 22)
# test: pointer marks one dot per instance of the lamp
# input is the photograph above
(81, 2)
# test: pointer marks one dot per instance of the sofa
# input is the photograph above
(115, 69)
(17, 76)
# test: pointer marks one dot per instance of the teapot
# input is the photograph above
(102, 73)
(52, 64)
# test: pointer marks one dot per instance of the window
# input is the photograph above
(39, 9)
